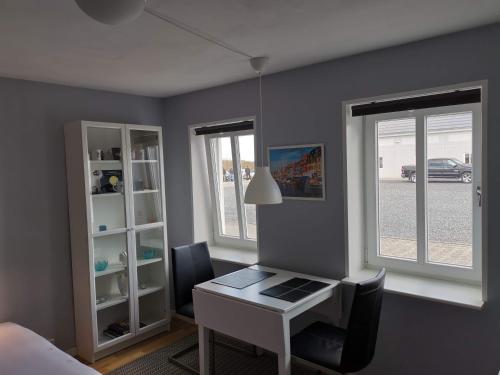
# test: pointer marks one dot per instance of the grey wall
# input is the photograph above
(35, 268)
(304, 106)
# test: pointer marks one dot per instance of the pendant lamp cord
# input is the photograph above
(261, 122)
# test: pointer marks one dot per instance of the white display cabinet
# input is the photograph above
(116, 195)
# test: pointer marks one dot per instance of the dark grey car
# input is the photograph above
(441, 168)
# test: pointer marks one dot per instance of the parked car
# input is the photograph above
(441, 168)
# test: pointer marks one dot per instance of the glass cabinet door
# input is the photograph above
(146, 177)
(151, 273)
(106, 179)
(112, 287)
(110, 242)
(147, 217)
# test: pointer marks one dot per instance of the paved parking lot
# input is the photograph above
(449, 223)
(231, 214)
(449, 220)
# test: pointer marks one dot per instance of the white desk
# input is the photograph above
(252, 317)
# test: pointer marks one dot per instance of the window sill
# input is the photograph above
(453, 293)
(233, 255)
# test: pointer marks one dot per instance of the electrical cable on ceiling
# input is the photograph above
(196, 32)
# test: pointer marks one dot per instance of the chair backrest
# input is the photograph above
(191, 265)
(359, 346)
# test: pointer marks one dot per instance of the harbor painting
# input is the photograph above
(299, 171)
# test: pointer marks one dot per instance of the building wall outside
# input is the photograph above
(397, 151)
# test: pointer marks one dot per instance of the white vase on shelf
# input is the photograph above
(122, 281)
(124, 258)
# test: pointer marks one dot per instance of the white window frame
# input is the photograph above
(221, 239)
(421, 266)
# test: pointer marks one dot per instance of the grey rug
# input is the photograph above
(227, 361)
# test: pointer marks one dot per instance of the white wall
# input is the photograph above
(356, 193)
(202, 204)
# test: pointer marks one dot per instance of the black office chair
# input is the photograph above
(327, 347)
(191, 265)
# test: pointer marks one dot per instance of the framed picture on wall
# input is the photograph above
(299, 171)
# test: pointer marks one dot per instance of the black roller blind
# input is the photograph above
(419, 102)
(224, 128)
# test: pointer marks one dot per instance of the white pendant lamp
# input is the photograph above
(112, 12)
(262, 189)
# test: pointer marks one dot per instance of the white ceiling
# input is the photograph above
(53, 41)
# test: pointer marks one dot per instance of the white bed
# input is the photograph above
(23, 352)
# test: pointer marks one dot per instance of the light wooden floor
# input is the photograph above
(179, 329)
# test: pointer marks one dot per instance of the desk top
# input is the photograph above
(251, 294)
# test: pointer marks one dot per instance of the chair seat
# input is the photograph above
(186, 310)
(320, 343)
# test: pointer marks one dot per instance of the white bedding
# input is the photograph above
(23, 352)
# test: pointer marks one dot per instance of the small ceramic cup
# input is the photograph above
(97, 154)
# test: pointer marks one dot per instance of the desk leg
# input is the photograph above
(204, 349)
(285, 358)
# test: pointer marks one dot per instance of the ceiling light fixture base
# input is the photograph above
(259, 63)
(112, 12)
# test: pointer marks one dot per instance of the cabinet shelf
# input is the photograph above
(112, 268)
(103, 340)
(146, 191)
(145, 262)
(149, 290)
(144, 161)
(105, 165)
(103, 195)
(112, 301)
(143, 227)
(151, 321)
(109, 232)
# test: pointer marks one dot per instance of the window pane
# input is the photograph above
(247, 161)
(397, 192)
(225, 186)
(449, 189)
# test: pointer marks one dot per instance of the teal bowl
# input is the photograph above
(149, 254)
(100, 265)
